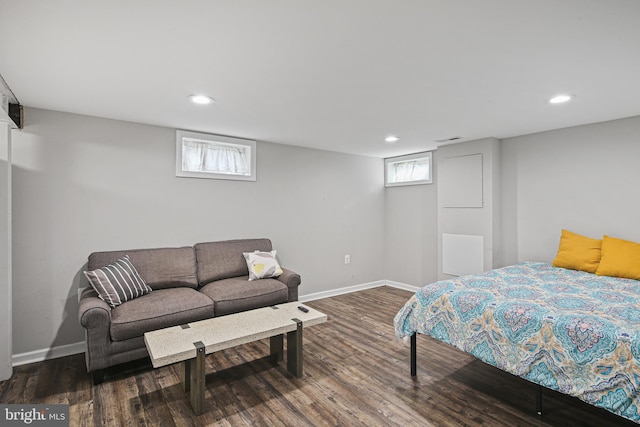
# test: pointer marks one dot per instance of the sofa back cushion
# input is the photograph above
(222, 260)
(160, 268)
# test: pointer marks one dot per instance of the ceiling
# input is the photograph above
(337, 75)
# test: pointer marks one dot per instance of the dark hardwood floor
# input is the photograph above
(355, 373)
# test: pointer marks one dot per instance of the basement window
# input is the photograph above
(412, 169)
(201, 155)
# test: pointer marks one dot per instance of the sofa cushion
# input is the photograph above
(239, 294)
(160, 268)
(159, 309)
(222, 260)
(118, 282)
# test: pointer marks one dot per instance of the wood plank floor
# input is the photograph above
(355, 373)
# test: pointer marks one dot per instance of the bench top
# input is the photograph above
(177, 343)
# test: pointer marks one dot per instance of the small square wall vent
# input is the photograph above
(446, 140)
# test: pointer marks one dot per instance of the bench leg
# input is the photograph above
(276, 346)
(294, 350)
(194, 378)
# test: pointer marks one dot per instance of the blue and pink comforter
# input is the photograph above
(567, 330)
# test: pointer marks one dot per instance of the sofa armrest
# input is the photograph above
(292, 280)
(95, 316)
(93, 312)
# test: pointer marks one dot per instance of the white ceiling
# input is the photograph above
(331, 74)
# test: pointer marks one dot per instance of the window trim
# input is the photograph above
(408, 157)
(182, 134)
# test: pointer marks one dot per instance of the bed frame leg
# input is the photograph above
(413, 354)
(539, 400)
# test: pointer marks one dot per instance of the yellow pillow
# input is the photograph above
(620, 258)
(578, 252)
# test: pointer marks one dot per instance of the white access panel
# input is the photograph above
(462, 254)
(460, 184)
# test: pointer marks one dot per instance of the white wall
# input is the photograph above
(5, 252)
(585, 179)
(411, 243)
(84, 184)
(477, 221)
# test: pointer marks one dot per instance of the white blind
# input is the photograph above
(408, 170)
(215, 157)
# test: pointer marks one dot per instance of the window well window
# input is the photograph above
(201, 155)
(411, 169)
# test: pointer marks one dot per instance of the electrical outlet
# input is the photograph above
(347, 259)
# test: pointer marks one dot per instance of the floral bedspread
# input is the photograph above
(567, 330)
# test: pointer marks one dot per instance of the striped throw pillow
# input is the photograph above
(118, 282)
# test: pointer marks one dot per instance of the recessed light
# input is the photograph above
(559, 99)
(201, 99)
(392, 138)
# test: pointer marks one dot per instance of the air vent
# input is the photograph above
(10, 108)
(446, 140)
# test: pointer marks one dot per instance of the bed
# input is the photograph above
(567, 330)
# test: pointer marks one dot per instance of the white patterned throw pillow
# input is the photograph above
(262, 264)
(118, 282)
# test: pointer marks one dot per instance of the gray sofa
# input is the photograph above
(189, 284)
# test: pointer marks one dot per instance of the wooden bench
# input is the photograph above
(190, 343)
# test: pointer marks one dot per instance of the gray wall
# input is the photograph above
(411, 240)
(585, 179)
(84, 184)
(5, 251)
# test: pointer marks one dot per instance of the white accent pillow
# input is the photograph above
(118, 282)
(262, 264)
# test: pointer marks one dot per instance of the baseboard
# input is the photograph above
(341, 291)
(47, 353)
(79, 347)
(402, 286)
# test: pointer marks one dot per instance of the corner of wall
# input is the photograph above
(477, 221)
(6, 329)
